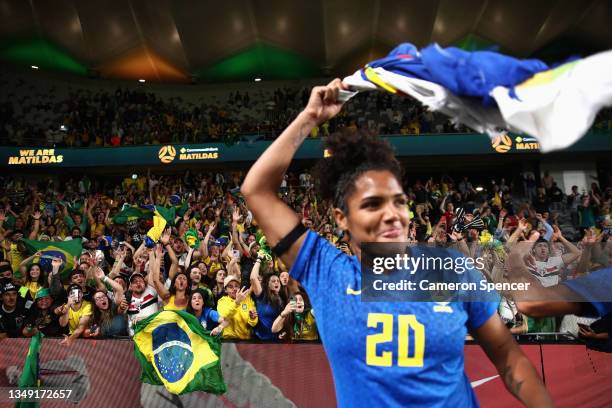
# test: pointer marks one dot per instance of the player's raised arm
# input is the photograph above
(264, 179)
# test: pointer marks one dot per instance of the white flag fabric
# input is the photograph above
(555, 106)
(558, 106)
(437, 98)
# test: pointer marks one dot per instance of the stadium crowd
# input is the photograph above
(48, 114)
(51, 113)
(44, 114)
(213, 261)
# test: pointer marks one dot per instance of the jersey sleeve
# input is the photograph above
(594, 288)
(214, 316)
(315, 261)
(478, 313)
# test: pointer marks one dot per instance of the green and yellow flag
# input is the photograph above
(132, 213)
(182, 208)
(176, 352)
(191, 238)
(30, 377)
(168, 214)
(159, 224)
(65, 250)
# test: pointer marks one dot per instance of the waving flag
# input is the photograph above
(181, 208)
(174, 199)
(559, 106)
(191, 238)
(169, 214)
(73, 206)
(488, 91)
(175, 351)
(155, 233)
(65, 250)
(130, 214)
(30, 376)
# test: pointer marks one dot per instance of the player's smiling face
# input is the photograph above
(377, 210)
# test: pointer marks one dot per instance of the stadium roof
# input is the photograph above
(177, 40)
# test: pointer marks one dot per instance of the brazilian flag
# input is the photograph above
(176, 352)
(169, 214)
(264, 249)
(131, 213)
(65, 250)
(30, 377)
(73, 207)
(182, 208)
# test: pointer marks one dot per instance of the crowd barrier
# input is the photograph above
(106, 374)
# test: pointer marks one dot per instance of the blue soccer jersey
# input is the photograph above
(386, 354)
(209, 319)
(596, 289)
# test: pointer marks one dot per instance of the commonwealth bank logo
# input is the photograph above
(502, 143)
(167, 154)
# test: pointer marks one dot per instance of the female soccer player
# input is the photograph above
(392, 353)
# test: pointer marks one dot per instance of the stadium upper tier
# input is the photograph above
(56, 111)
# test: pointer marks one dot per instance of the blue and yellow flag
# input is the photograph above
(65, 250)
(176, 352)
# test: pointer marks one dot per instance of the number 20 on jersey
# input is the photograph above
(404, 323)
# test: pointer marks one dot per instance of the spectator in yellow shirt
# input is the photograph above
(75, 314)
(177, 296)
(211, 256)
(34, 279)
(239, 308)
(296, 321)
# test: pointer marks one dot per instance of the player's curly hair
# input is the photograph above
(352, 153)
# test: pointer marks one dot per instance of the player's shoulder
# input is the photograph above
(316, 242)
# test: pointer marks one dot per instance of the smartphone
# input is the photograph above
(75, 295)
(236, 253)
